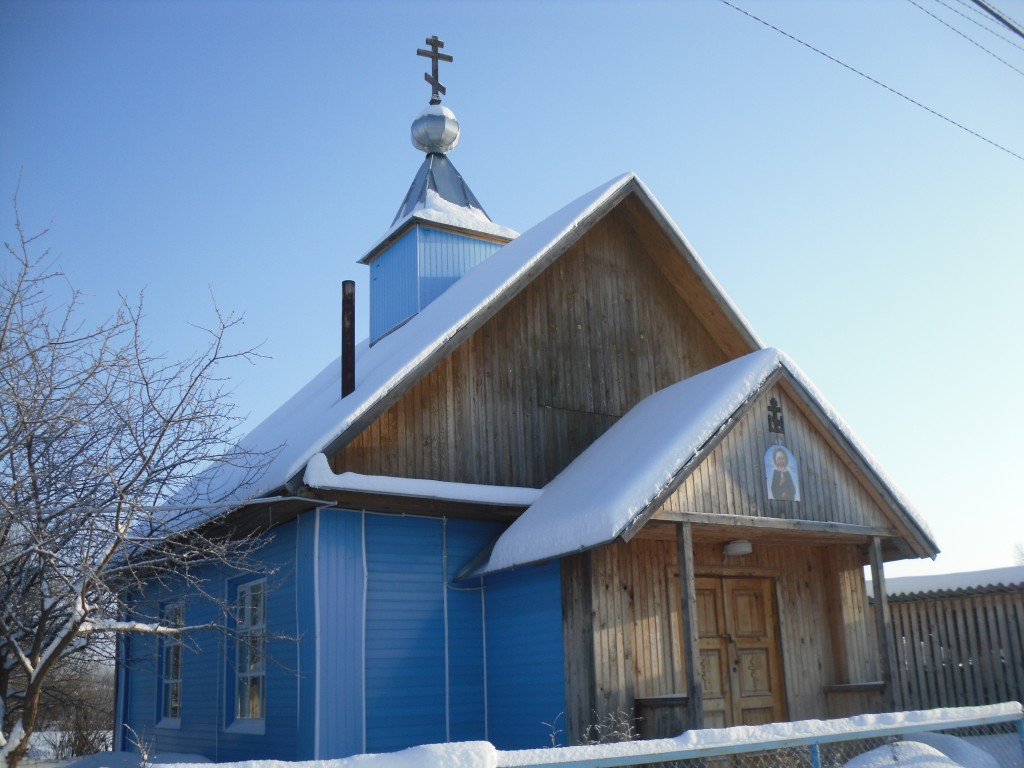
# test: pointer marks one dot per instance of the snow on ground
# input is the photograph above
(961, 751)
(903, 753)
(924, 750)
(920, 750)
(469, 754)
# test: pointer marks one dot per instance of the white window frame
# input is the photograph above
(251, 652)
(171, 667)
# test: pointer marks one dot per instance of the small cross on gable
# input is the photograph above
(775, 417)
(435, 56)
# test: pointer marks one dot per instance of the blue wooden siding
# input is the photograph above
(416, 269)
(393, 288)
(466, 641)
(207, 707)
(306, 630)
(525, 656)
(442, 661)
(404, 633)
(415, 692)
(340, 651)
(444, 257)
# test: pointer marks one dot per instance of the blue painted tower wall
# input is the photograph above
(205, 726)
(525, 657)
(444, 257)
(393, 288)
(416, 269)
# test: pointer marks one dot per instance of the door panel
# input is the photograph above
(714, 652)
(741, 670)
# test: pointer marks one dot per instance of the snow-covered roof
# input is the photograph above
(948, 584)
(616, 481)
(317, 420)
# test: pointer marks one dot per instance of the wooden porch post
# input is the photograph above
(883, 623)
(691, 638)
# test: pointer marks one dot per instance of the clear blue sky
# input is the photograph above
(255, 150)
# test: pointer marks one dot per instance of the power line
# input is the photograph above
(999, 16)
(978, 23)
(873, 80)
(965, 37)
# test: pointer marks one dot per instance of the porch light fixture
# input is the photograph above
(736, 548)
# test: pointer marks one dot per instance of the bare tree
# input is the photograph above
(97, 436)
(1018, 553)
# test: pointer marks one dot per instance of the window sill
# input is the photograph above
(250, 726)
(170, 723)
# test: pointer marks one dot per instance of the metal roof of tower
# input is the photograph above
(438, 174)
(439, 195)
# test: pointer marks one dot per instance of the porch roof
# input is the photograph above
(614, 486)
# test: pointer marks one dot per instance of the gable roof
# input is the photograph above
(317, 420)
(621, 479)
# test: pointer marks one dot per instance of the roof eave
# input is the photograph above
(400, 229)
(678, 239)
(922, 544)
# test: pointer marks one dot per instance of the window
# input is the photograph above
(250, 651)
(170, 665)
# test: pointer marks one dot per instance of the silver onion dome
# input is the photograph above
(435, 130)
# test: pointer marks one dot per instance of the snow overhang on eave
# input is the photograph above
(403, 495)
(611, 489)
(586, 506)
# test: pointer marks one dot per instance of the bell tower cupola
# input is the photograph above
(440, 231)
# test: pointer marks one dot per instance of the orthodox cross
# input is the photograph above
(435, 56)
(775, 416)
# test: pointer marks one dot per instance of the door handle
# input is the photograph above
(735, 651)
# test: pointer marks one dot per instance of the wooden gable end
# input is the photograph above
(616, 316)
(733, 478)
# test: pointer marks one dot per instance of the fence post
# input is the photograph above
(815, 757)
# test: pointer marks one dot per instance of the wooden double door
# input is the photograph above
(740, 664)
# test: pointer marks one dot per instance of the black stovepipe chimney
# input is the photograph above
(348, 337)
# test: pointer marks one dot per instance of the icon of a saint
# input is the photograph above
(780, 471)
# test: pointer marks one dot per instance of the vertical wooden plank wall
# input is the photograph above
(623, 631)
(731, 480)
(961, 650)
(600, 329)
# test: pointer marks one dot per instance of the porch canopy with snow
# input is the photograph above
(570, 478)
